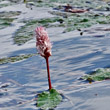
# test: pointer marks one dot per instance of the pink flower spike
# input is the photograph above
(44, 46)
(43, 43)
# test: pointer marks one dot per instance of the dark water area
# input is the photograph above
(73, 55)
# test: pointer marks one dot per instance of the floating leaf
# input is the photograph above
(49, 100)
(98, 75)
(15, 58)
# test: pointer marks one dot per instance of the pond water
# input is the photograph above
(73, 55)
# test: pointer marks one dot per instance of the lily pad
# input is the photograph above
(15, 58)
(98, 75)
(49, 100)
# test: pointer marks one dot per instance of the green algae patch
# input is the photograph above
(26, 32)
(15, 58)
(49, 100)
(98, 75)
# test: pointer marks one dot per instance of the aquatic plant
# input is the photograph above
(81, 21)
(9, 14)
(44, 46)
(83, 4)
(15, 58)
(5, 22)
(50, 99)
(6, 18)
(25, 33)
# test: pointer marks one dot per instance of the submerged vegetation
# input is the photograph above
(25, 33)
(85, 20)
(74, 22)
(5, 22)
(70, 21)
(15, 58)
(90, 4)
(9, 14)
(6, 18)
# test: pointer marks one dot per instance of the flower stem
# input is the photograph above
(48, 73)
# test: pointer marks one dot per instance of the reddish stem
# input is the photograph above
(49, 80)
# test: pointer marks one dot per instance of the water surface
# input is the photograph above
(73, 55)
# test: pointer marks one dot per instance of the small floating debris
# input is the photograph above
(77, 10)
(98, 75)
(99, 36)
(69, 8)
(5, 85)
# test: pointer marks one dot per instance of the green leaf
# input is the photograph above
(49, 100)
(98, 75)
